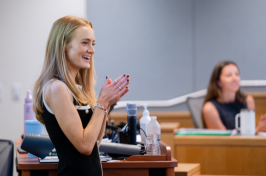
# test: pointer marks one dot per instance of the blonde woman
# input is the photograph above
(65, 101)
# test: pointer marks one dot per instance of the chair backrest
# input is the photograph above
(195, 107)
(6, 157)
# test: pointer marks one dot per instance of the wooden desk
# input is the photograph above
(223, 155)
(139, 165)
(187, 169)
(168, 132)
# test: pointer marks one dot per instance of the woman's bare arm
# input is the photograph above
(100, 137)
(59, 100)
(211, 117)
(250, 102)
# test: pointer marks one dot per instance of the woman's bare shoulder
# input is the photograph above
(57, 86)
(208, 107)
(211, 117)
(56, 90)
(210, 111)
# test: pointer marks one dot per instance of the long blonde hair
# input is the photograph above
(55, 65)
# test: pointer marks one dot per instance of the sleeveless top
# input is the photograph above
(228, 111)
(71, 161)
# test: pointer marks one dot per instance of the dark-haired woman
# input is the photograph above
(224, 99)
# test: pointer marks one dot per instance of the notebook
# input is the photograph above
(193, 131)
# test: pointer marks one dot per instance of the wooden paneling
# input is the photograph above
(168, 132)
(223, 155)
(182, 117)
(260, 103)
(127, 172)
(187, 169)
(170, 171)
(25, 173)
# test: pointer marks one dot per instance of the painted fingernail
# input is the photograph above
(124, 75)
(126, 87)
(127, 75)
(106, 77)
(127, 80)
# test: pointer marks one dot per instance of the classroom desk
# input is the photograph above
(223, 155)
(135, 165)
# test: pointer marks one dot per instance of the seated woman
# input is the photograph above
(224, 99)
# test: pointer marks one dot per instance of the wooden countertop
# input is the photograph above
(169, 127)
(187, 169)
(221, 140)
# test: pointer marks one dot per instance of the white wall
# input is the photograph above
(25, 26)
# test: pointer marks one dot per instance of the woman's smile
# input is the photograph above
(86, 58)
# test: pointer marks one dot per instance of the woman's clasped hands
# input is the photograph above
(112, 91)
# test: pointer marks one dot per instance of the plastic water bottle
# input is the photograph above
(153, 137)
(28, 109)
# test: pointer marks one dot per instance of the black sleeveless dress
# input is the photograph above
(228, 111)
(71, 162)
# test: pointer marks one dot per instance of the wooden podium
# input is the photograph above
(135, 165)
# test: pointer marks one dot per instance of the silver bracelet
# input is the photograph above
(100, 106)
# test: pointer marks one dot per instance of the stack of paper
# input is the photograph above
(106, 140)
(105, 158)
(49, 159)
(193, 131)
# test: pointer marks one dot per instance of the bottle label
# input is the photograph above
(143, 127)
(143, 137)
(28, 109)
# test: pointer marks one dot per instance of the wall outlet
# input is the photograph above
(16, 91)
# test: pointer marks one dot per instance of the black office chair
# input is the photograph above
(195, 107)
(6, 157)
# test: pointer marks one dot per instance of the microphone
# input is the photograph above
(123, 149)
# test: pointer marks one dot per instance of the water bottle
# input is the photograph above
(131, 121)
(28, 109)
(153, 137)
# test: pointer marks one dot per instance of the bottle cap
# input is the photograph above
(28, 98)
(153, 117)
(145, 112)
